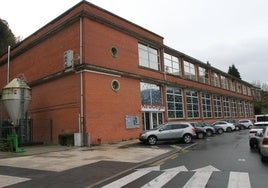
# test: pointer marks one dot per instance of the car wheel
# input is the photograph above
(151, 140)
(263, 158)
(220, 131)
(187, 138)
(200, 135)
(249, 127)
(253, 144)
(242, 127)
(209, 133)
(229, 129)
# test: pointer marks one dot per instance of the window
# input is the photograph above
(246, 105)
(150, 94)
(148, 57)
(240, 108)
(192, 104)
(203, 75)
(215, 80)
(232, 85)
(234, 108)
(226, 107)
(244, 89)
(172, 64)
(249, 91)
(224, 82)
(217, 106)
(189, 71)
(206, 105)
(175, 103)
(239, 88)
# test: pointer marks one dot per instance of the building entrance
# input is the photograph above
(151, 120)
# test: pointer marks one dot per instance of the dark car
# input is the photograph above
(209, 130)
(199, 130)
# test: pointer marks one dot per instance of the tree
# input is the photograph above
(234, 72)
(7, 38)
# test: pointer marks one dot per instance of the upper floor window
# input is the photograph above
(148, 57)
(239, 88)
(215, 80)
(224, 82)
(232, 85)
(150, 94)
(172, 64)
(244, 89)
(249, 91)
(203, 75)
(189, 71)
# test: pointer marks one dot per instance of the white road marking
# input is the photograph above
(162, 179)
(10, 180)
(131, 177)
(239, 180)
(200, 178)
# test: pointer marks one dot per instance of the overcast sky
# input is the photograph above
(223, 32)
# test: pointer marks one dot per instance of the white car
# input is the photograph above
(247, 123)
(223, 126)
(263, 143)
(254, 132)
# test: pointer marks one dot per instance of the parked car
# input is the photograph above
(236, 123)
(169, 131)
(263, 143)
(254, 132)
(209, 129)
(199, 130)
(223, 126)
(247, 123)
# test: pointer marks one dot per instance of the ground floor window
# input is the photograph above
(240, 108)
(217, 106)
(206, 105)
(226, 107)
(234, 108)
(174, 103)
(192, 104)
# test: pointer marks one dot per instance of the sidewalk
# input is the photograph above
(59, 158)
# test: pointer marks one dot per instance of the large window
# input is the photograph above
(192, 104)
(172, 64)
(148, 57)
(224, 82)
(215, 80)
(203, 75)
(217, 106)
(150, 94)
(175, 103)
(226, 107)
(246, 105)
(206, 105)
(189, 71)
(232, 85)
(234, 108)
(240, 108)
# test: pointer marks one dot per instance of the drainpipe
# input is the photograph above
(8, 61)
(81, 115)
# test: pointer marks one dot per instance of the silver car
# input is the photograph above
(170, 131)
(263, 143)
(247, 123)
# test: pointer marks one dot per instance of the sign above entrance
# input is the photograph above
(152, 108)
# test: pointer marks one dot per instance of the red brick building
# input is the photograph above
(97, 74)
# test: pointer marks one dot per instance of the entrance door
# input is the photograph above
(151, 119)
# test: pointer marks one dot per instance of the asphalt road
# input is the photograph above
(221, 161)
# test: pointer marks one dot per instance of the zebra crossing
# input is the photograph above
(199, 179)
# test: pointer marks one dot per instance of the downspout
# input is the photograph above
(81, 115)
(8, 62)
